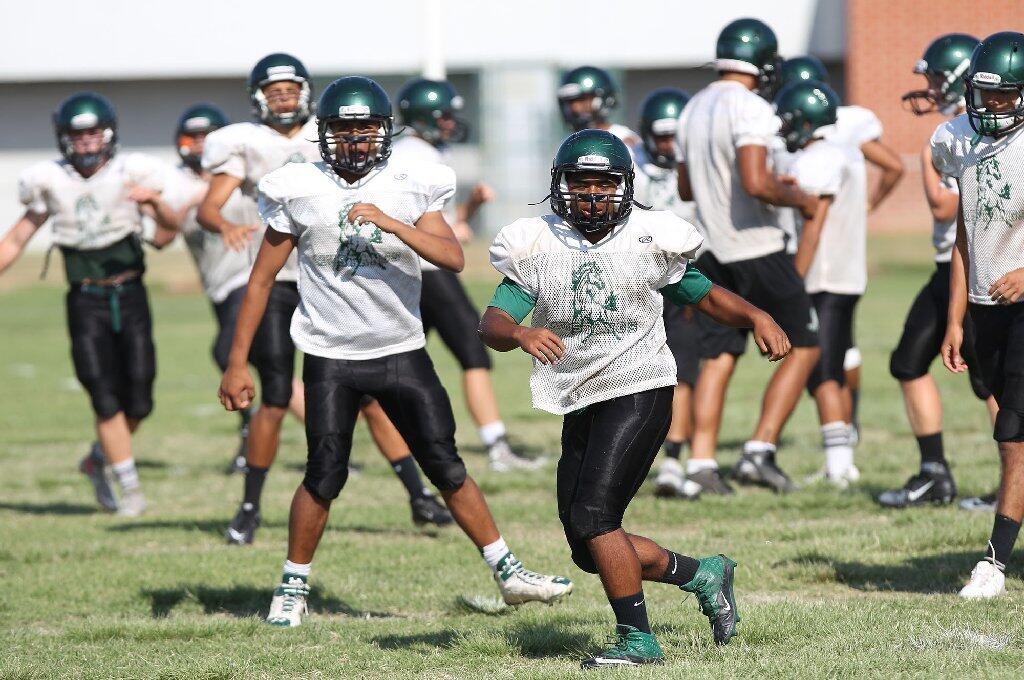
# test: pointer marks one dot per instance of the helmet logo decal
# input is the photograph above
(357, 245)
(570, 91)
(593, 161)
(197, 123)
(665, 126)
(983, 79)
(354, 110)
(275, 72)
(993, 192)
(84, 121)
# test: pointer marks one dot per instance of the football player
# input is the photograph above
(860, 127)
(982, 149)
(587, 95)
(831, 255)
(360, 224)
(724, 134)
(943, 64)
(97, 201)
(430, 110)
(596, 274)
(655, 185)
(237, 157)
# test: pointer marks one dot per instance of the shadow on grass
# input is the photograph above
(426, 642)
(244, 601)
(937, 574)
(215, 527)
(546, 640)
(151, 464)
(50, 508)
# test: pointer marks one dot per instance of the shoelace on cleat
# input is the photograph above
(293, 596)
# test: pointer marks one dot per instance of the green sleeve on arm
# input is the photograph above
(513, 300)
(690, 289)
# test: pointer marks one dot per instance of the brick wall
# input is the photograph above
(885, 38)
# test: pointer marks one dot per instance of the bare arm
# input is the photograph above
(760, 183)
(15, 240)
(731, 310)
(886, 160)
(500, 332)
(236, 388)
(941, 201)
(683, 183)
(431, 238)
(209, 216)
(810, 236)
(958, 267)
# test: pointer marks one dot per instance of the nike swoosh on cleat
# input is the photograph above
(235, 535)
(916, 495)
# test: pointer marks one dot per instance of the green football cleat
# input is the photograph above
(631, 647)
(713, 587)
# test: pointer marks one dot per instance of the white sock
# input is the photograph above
(492, 432)
(695, 465)
(493, 552)
(297, 569)
(835, 438)
(755, 446)
(127, 475)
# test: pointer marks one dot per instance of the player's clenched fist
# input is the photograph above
(771, 339)
(236, 389)
(540, 343)
(362, 213)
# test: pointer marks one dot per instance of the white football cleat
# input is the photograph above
(289, 603)
(504, 458)
(987, 581)
(132, 503)
(519, 586)
(671, 479)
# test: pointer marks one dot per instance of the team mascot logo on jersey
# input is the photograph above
(89, 217)
(593, 302)
(357, 245)
(993, 191)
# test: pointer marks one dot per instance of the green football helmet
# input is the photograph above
(750, 46)
(583, 81)
(197, 119)
(354, 98)
(82, 111)
(944, 64)
(595, 151)
(806, 67)
(274, 68)
(423, 103)
(803, 107)
(659, 116)
(996, 64)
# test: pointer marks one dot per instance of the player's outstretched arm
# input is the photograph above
(18, 236)
(810, 236)
(731, 310)
(759, 182)
(237, 389)
(431, 238)
(236, 236)
(954, 338)
(886, 160)
(500, 332)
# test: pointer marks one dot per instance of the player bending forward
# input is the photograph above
(359, 224)
(594, 275)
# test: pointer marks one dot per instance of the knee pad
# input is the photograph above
(586, 522)
(275, 389)
(327, 465)
(578, 549)
(103, 396)
(901, 368)
(979, 388)
(852, 359)
(443, 467)
(1009, 425)
(138, 406)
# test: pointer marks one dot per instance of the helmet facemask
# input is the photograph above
(87, 160)
(601, 105)
(591, 212)
(995, 123)
(434, 131)
(298, 116)
(661, 127)
(942, 94)
(769, 78)
(356, 153)
(795, 130)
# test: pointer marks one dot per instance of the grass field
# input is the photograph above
(829, 585)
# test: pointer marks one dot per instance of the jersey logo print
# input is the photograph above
(993, 191)
(89, 218)
(592, 302)
(296, 157)
(357, 245)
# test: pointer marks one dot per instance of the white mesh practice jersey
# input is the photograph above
(409, 149)
(248, 151)
(601, 299)
(854, 126)
(625, 134)
(780, 161)
(719, 119)
(944, 232)
(221, 269)
(359, 287)
(93, 213)
(991, 175)
(840, 263)
(658, 187)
